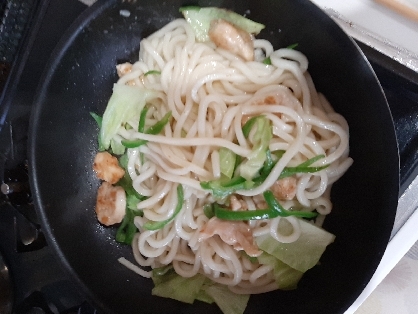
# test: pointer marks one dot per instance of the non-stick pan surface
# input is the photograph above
(63, 143)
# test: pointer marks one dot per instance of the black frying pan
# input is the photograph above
(63, 140)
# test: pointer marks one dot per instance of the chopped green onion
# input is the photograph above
(141, 128)
(126, 182)
(123, 161)
(152, 72)
(132, 201)
(273, 203)
(268, 164)
(154, 130)
(234, 182)
(141, 124)
(222, 188)
(293, 46)
(208, 210)
(156, 225)
(227, 214)
(133, 143)
(273, 210)
(159, 126)
(127, 229)
(267, 61)
(311, 161)
(289, 171)
(249, 125)
(303, 168)
(98, 120)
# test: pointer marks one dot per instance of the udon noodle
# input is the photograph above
(211, 93)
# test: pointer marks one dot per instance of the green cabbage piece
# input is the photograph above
(125, 104)
(228, 301)
(200, 19)
(260, 141)
(171, 285)
(117, 147)
(227, 160)
(302, 254)
(285, 276)
(203, 296)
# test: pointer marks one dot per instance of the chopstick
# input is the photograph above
(401, 7)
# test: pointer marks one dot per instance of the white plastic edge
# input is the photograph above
(400, 244)
(381, 44)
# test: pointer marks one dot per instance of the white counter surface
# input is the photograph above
(377, 19)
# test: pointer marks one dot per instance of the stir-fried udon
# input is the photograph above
(221, 157)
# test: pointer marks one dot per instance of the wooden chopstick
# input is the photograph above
(401, 8)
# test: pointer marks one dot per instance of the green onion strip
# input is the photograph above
(274, 209)
(154, 130)
(156, 225)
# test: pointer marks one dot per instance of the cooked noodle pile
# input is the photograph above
(211, 93)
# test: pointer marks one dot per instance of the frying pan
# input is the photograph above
(63, 143)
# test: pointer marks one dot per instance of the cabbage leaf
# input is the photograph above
(302, 254)
(201, 18)
(285, 276)
(126, 103)
(260, 140)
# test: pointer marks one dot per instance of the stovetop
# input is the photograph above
(40, 284)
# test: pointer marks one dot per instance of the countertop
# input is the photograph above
(377, 19)
(397, 293)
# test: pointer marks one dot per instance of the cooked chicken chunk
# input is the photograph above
(237, 204)
(231, 38)
(284, 189)
(235, 233)
(123, 68)
(110, 204)
(107, 167)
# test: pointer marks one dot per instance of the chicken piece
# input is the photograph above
(107, 167)
(235, 233)
(231, 38)
(237, 204)
(123, 68)
(110, 204)
(259, 201)
(284, 189)
(268, 100)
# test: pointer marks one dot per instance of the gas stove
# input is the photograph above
(29, 273)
